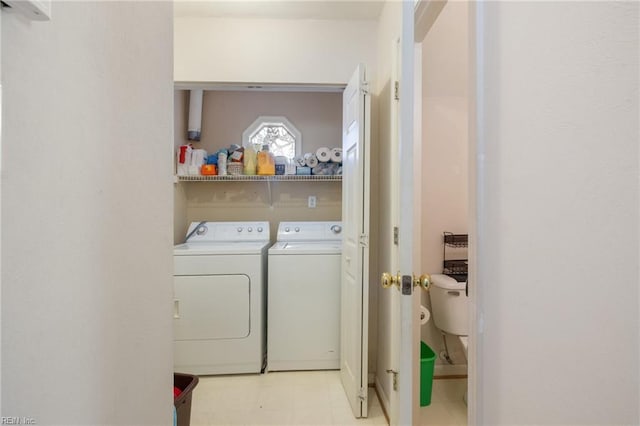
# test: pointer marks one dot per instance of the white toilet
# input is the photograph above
(449, 307)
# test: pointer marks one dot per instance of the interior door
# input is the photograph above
(355, 250)
(405, 404)
(394, 261)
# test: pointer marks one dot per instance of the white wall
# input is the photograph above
(1, 171)
(87, 214)
(558, 213)
(271, 50)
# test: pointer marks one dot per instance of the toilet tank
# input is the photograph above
(449, 305)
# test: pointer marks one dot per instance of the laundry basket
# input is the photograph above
(185, 383)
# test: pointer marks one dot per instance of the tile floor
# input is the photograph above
(305, 398)
(447, 406)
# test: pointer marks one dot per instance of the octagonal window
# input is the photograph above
(278, 133)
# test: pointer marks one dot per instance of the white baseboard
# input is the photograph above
(450, 370)
(382, 397)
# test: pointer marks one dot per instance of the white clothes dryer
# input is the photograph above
(303, 327)
(219, 298)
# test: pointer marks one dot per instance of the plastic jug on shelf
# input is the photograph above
(249, 161)
(266, 163)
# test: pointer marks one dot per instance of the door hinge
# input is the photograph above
(364, 240)
(364, 87)
(362, 394)
(395, 379)
(396, 233)
(396, 90)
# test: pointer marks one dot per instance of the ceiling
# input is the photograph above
(281, 9)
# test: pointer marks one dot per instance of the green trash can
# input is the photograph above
(427, 364)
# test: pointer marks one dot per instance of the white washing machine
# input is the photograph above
(219, 298)
(303, 326)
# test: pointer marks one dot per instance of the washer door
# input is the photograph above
(208, 307)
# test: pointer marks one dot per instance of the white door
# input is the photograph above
(405, 337)
(355, 251)
(394, 208)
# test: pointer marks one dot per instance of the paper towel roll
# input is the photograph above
(323, 154)
(336, 155)
(311, 160)
(299, 161)
(425, 315)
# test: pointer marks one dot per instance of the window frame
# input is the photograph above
(272, 120)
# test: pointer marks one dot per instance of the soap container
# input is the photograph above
(266, 164)
(249, 160)
(281, 163)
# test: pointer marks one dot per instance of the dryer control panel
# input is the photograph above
(310, 231)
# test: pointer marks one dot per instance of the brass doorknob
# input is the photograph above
(423, 281)
(389, 280)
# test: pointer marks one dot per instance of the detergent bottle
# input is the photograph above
(266, 163)
(249, 161)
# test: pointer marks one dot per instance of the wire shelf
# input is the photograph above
(256, 178)
(455, 268)
(459, 266)
(456, 240)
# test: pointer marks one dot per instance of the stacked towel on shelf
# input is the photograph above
(327, 169)
(324, 162)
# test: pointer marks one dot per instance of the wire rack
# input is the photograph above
(256, 178)
(455, 268)
(455, 240)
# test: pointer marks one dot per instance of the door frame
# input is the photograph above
(425, 15)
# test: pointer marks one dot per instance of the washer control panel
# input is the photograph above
(229, 231)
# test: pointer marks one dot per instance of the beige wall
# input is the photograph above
(86, 215)
(226, 114)
(271, 50)
(226, 201)
(445, 192)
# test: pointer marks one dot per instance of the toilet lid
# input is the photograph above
(447, 283)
